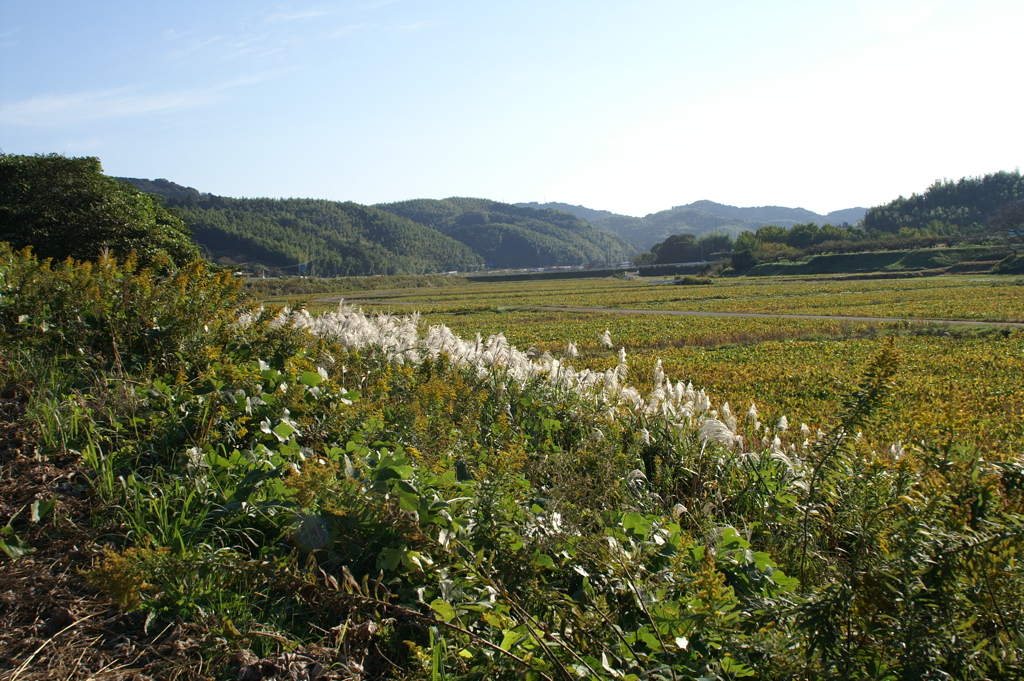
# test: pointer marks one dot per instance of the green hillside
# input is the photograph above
(515, 236)
(699, 218)
(337, 239)
(963, 206)
(330, 238)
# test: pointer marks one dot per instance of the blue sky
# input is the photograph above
(632, 107)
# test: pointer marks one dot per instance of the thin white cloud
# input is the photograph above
(51, 111)
(62, 110)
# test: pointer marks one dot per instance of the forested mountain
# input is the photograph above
(588, 214)
(515, 236)
(966, 205)
(330, 238)
(777, 215)
(699, 218)
(164, 188)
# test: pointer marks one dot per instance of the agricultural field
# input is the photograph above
(977, 298)
(955, 383)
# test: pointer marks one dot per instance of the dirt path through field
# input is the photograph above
(704, 313)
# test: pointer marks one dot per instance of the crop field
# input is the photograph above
(965, 298)
(955, 383)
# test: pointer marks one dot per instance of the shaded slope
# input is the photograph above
(339, 239)
(516, 236)
(330, 238)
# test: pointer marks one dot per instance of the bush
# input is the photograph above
(111, 312)
(67, 208)
(692, 281)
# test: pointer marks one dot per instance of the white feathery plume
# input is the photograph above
(397, 339)
(701, 403)
(713, 430)
(728, 417)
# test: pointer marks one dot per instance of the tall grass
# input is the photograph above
(421, 505)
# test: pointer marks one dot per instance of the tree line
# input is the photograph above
(969, 210)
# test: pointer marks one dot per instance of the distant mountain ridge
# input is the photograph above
(777, 215)
(700, 217)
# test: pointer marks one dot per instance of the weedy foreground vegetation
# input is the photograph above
(352, 496)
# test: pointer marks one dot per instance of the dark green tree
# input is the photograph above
(677, 248)
(747, 241)
(66, 207)
(803, 236)
(966, 205)
(772, 234)
(1008, 222)
(714, 243)
(743, 260)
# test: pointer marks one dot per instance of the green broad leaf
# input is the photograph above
(731, 538)
(637, 524)
(650, 640)
(763, 561)
(284, 430)
(408, 501)
(736, 669)
(545, 561)
(443, 609)
(495, 620)
(41, 509)
(311, 378)
(784, 581)
(390, 558)
(510, 639)
(15, 549)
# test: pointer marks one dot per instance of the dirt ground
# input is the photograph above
(52, 624)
